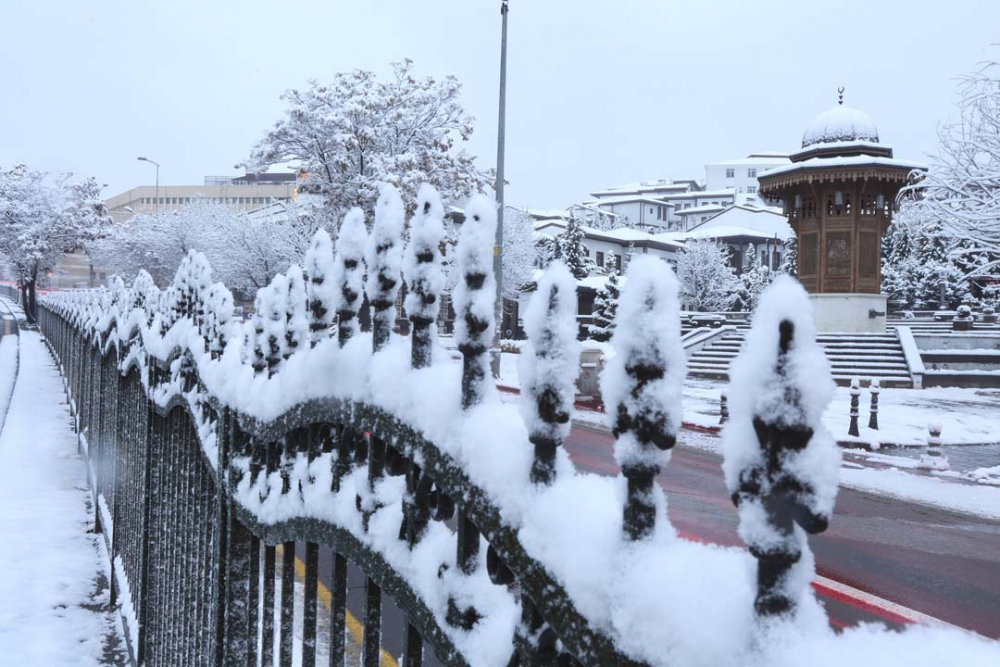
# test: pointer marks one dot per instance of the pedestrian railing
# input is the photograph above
(215, 446)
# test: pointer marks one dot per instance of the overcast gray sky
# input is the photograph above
(599, 92)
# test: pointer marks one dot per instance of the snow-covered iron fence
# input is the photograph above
(218, 449)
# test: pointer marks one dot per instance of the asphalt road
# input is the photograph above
(943, 564)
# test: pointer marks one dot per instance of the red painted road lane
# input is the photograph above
(939, 563)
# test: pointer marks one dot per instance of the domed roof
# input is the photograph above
(840, 124)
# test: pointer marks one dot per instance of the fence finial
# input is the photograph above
(549, 367)
(780, 462)
(424, 276)
(642, 384)
(474, 295)
(384, 256)
(348, 274)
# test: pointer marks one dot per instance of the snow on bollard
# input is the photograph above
(424, 276)
(474, 295)
(852, 429)
(349, 273)
(549, 365)
(320, 286)
(723, 407)
(934, 459)
(643, 383)
(874, 389)
(384, 256)
(781, 464)
(296, 323)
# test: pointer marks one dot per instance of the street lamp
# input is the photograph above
(146, 159)
(498, 242)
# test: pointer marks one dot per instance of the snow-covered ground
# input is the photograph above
(968, 416)
(53, 573)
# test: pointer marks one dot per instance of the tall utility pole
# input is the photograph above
(498, 243)
(146, 159)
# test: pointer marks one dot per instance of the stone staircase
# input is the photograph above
(863, 356)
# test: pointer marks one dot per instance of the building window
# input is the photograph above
(752, 189)
(752, 172)
(730, 173)
(600, 259)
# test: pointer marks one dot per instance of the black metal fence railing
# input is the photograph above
(205, 506)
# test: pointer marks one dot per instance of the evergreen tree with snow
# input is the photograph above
(918, 257)
(790, 257)
(606, 307)
(780, 463)
(572, 251)
(708, 282)
(641, 385)
(753, 280)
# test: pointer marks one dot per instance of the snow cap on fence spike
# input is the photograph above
(426, 234)
(321, 288)
(475, 258)
(273, 303)
(348, 273)
(780, 463)
(385, 263)
(475, 295)
(642, 383)
(549, 363)
(296, 323)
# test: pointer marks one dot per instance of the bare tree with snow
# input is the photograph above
(963, 185)
(708, 282)
(359, 131)
(41, 217)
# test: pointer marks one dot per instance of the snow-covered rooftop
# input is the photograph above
(851, 161)
(627, 199)
(840, 124)
(699, 194)
(743, 221)
(757, 158)
(706, 208)
(661, 185)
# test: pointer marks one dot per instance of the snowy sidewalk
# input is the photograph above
(53, 574)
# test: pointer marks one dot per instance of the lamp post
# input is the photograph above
(498, 242)
(146, 159)
(944, 282)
